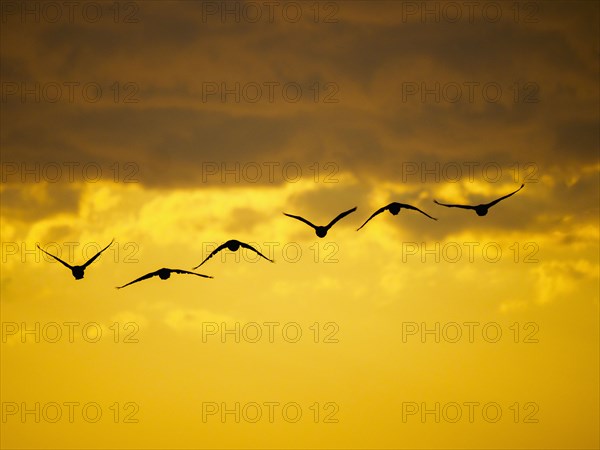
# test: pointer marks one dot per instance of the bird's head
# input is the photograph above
(233, 245)
(78, 272)
(394, 208)
(481, 210)
(164, 274)
(321, 231)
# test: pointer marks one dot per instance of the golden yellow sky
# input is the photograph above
(173, 127)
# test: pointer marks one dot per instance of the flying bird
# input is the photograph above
(77, 271)
(394, 208)
(481, 210)
(319, 230)
(232, 245)
(163, 274)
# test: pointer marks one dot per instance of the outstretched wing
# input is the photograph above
(213, 253)
(301, 219)
(145, 277)
(93, 258)
(379, 211)
(403, 205)
(249, 247)
(490, 204)
(454, 206)
(190, 273)
(56, 258)
(340, 216)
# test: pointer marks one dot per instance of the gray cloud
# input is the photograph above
(370, 54)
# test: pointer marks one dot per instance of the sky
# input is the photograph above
(173, 127)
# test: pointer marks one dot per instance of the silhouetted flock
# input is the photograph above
(321, 231)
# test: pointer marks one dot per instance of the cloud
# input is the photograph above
(172, 133)
(559, 280)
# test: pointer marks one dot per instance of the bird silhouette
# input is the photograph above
(394, 208)
(77, 271)
(163, 274)
(482, 209)
(232, 245)
(320, 230)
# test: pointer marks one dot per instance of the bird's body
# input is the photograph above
(394, 208)
(77, 271)
(232, 245)
(163, 274)
(480, 210)
(321, 231)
